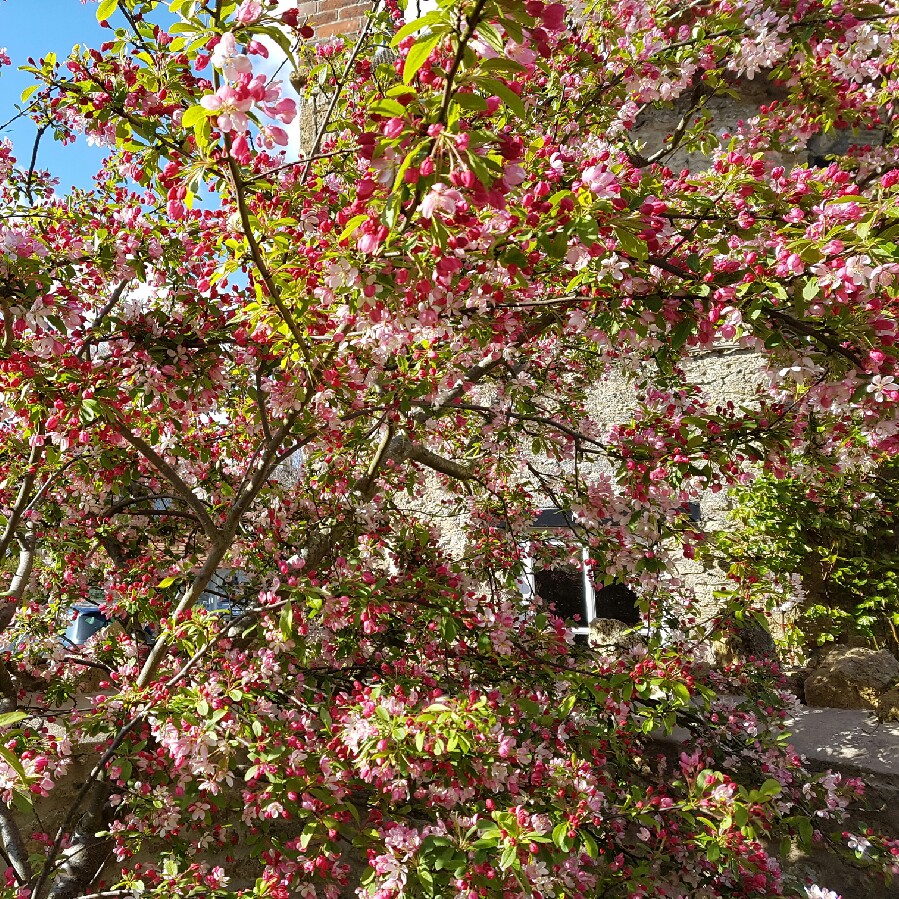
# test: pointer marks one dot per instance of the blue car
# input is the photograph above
(87, 619)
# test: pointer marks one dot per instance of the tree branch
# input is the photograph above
(14, 845)
(421, 454)
(107, 307)
(338, 90)
(260, 404)
(258, 260)
(172, 476)
(470, 26)
(22, 498)
(800, 327)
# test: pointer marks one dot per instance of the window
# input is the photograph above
(570, 588)
(566, 587)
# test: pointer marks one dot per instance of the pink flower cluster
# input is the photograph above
(233, 101)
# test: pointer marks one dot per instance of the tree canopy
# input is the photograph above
(242, 368)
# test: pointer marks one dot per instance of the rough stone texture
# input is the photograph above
(610, 634)
(822, 146)
(888, 705)
(747, 639)
(854, 744)
(727, 112)
(851, 678)
(850, 740)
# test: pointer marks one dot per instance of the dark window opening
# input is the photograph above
(576, 598)
(564, 588)
(617, 601)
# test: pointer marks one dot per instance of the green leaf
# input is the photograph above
(500, 64)
(90, 409)
(770, 788)
(106, 9)
(194, 116)
(560, 835)
(470, 101)
(11, 718)
(352, 225)
(448, 628)
(280, 37)
(22, 801)
(680, 333)
(402, 90)
(811, 289)
(505, 93)
(682, 692)
(432, 18)
(630, 243)
(513, 30)
(166, 582)
(411, 156)
(388, 107)
(286, 621)
(418, 55)
(28, 92)
(508, 858)
(13, 762)
(490, 36)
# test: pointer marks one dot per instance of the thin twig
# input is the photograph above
(338, 90)
(31, 166)
(172, 476)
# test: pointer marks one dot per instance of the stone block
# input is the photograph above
(851, 678)
(888, 705)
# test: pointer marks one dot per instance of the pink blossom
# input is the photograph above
(373, 235)
(883, 388)
(257, 48)
(248, 12)
(240, 149)
(285, 110)
(601, 181)
(553, 17)
(231, 108)
(394, 127)
(513, 175)
(816, 892)
(440, 199)
(271, 136)
(521, 54)
(226, 58)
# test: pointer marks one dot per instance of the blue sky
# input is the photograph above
(33, 28)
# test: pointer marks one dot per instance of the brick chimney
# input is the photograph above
(330, 17)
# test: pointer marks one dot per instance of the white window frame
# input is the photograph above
(527, 585)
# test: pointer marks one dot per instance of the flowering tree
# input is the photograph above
(227, 369)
